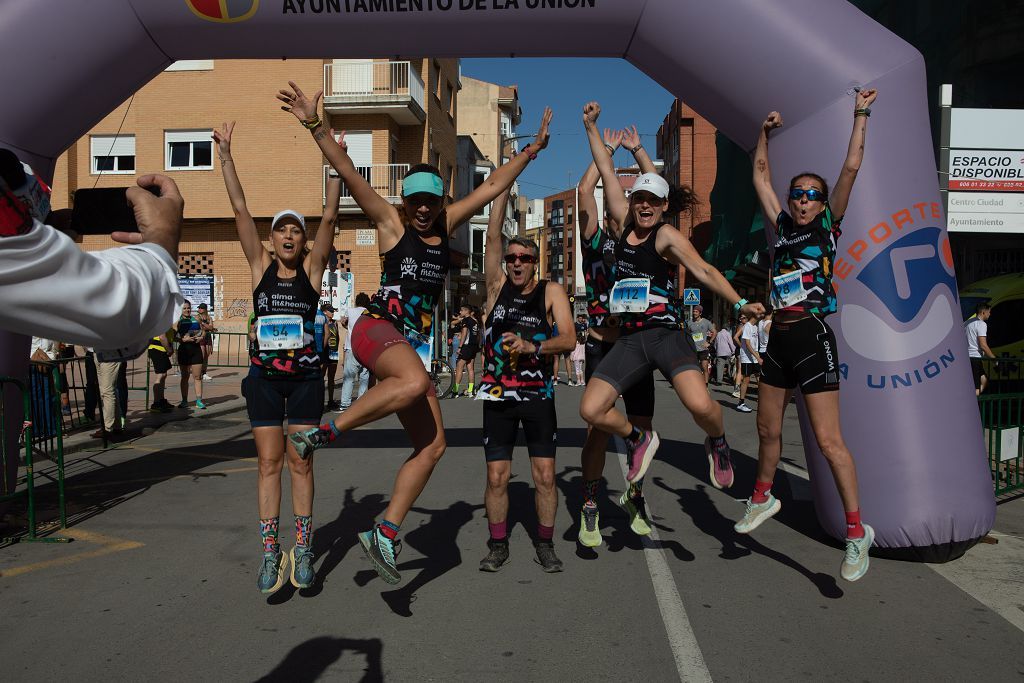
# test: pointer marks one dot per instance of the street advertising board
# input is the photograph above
(986, 171)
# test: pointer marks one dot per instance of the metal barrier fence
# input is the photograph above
(79, 405)
(26, 487)
(230, 350)
(1002, 420)
(1005, 375)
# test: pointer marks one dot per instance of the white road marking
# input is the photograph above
(685, 650)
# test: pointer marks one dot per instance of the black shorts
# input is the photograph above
(268, 400)
(160, 360)
(501, 427)
(634, 356)
(189, 353)
(802, 354)
(639, 398)
(977, 370)
(467, 352)
(750, 369)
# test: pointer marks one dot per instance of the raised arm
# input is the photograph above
(618, 207)
(380, 212)
(770, 206)
(840, 198)
(257, 256)
(500, 180)
(494, 249)
(321, 251)
(589, 211)
(673, 246)
(631, 141)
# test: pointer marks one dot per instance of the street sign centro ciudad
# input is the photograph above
(986, 171)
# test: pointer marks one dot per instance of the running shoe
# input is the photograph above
(497, 556)
(757, 513)
(590, 527)
(303, 574)
(207, 378)
(640, 453)
(546, 557)
(736, 393)
(720, 463)
(307, 441)
(200, 404)
(183, 404)
(744, 408)
(855, 564)
(166, 404)
(272, 572)
(381, 551)
(636, 508)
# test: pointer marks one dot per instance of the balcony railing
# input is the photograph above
(385, 179)
(369, 87)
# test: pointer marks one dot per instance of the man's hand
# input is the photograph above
(159, 217)
(774, 120)
(516, 343)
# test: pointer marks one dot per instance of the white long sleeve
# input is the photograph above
(106, 299)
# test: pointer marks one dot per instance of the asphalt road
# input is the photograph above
(160, 581)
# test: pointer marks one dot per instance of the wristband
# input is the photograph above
(866, 111)
(611, 150)
(539, 345)
(739, 304)
(313, 123)
(528, 153)
(636, 149)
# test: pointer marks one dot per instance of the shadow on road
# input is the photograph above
(308, 661)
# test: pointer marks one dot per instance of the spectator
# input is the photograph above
(702, 331)
(107, 297)
(330, 353)
(455, 338)
(206, 343)
(977, 345)
(579, 354)
(725, 349)
(750, 361)
(190, 356)
(160, 352)
(107, 372)
(352, 369)
(764, 328)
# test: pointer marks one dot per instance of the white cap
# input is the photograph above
(286, 213)
(653, 183)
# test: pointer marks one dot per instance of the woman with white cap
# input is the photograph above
(285, 374)
(413, 242)
(646, 258)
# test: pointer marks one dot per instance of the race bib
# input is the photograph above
(698, 337)
(279, 332)
(788, 289)
(630, 295)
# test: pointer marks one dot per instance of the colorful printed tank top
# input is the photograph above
(598, 275)
(292, 296)
(519, 377)
(644, 261)
(811, 250)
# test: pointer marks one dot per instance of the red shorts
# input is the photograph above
(376, 335)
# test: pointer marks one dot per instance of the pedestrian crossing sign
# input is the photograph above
(691, 297)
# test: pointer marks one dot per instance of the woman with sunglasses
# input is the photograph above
(802, 349)
(413, 241)
(597, 247)
(646, 258)
(284, 381)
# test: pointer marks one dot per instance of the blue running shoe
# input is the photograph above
(381, 551)
(272, 572)
(303, 574)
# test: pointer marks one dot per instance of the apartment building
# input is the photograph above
(394, 114)
(561, 238)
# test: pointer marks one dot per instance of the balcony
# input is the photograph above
(363, 87)
(385, 179)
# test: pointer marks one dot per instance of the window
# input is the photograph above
(449, 99)
(188, 150)
(437, 80)
(112, 154)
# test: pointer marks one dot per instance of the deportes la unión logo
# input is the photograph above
(912, 277)
(223, 11)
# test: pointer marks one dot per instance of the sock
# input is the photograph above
(590, 492)
(329, 432)
(388, 529)
(545, 533)
(761, 490)
(456, 388)
(499, 531)
(268, 532)
(636, 489)
(853, 525)
(470, 388)
(635, 435)
(717, 441)
(304, 530)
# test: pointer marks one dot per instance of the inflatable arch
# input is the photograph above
(908, 410)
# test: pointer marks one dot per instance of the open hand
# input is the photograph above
(630, 138)
(298, 103)
(541, 141)
(613, 137)
(591, 110)
(223, 139)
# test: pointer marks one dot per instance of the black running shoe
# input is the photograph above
(497, 556)
(546, 557)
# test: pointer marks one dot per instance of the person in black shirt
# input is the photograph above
(469, 346)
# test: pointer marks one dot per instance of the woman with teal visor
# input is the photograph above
(413, 241)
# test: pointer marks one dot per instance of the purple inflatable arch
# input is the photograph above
(909, 414)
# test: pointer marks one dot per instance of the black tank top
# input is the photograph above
(293, 296)
(525, 377)
(473, 335)
(598, 264)
(411, 282)
(644, 261)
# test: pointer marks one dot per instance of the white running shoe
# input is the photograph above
(207, 378)
(757, 513)
(855, 563)
(744, 408)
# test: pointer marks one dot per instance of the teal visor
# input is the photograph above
(422, 182)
